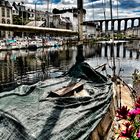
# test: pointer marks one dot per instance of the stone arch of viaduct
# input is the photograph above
(106, 25)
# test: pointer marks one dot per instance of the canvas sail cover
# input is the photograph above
(27, 113)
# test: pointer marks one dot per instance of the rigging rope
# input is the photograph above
(103, 4)
(117, 9)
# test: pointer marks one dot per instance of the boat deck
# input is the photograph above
(123, 96)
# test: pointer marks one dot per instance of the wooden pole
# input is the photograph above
(80, 20)
(35, 16)
(80, 58)
(112, 37)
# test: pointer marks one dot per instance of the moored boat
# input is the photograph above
(87, 97)
(32, 47)
(79, 104)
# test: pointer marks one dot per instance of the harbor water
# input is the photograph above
(27, 67)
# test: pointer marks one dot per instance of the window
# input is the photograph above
(3, 33)
(3, 12)
(9, 34)
(8, 21)
(3, 20)
(8, 12)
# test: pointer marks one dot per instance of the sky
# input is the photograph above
(95, 9)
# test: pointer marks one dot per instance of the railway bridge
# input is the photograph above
(118, 24)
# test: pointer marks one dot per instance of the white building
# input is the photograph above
(67, 17)
(59, 21)
(90, 29)
(5, 17)
(15, 12)
(36, 14)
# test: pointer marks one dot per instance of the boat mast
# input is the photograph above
(112, 37)
(80, 57)
(80, 20)
(111, 16)
(48, 2)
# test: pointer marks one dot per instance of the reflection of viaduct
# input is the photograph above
(117, 51)
(133, 21)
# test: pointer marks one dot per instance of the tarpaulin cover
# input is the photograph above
(28, 113)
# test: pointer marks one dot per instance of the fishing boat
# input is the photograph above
(79, 104)
(73, 102)
(32, 47)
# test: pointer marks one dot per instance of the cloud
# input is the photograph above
(96, 9)
(67, 2)
(127, 4)
(56, 1)
(125, 8)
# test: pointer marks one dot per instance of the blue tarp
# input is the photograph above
(28, 113)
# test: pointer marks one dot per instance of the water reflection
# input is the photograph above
(126, 58)
(27, 67)
(118, 50)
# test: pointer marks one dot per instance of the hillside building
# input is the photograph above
(5, 17)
